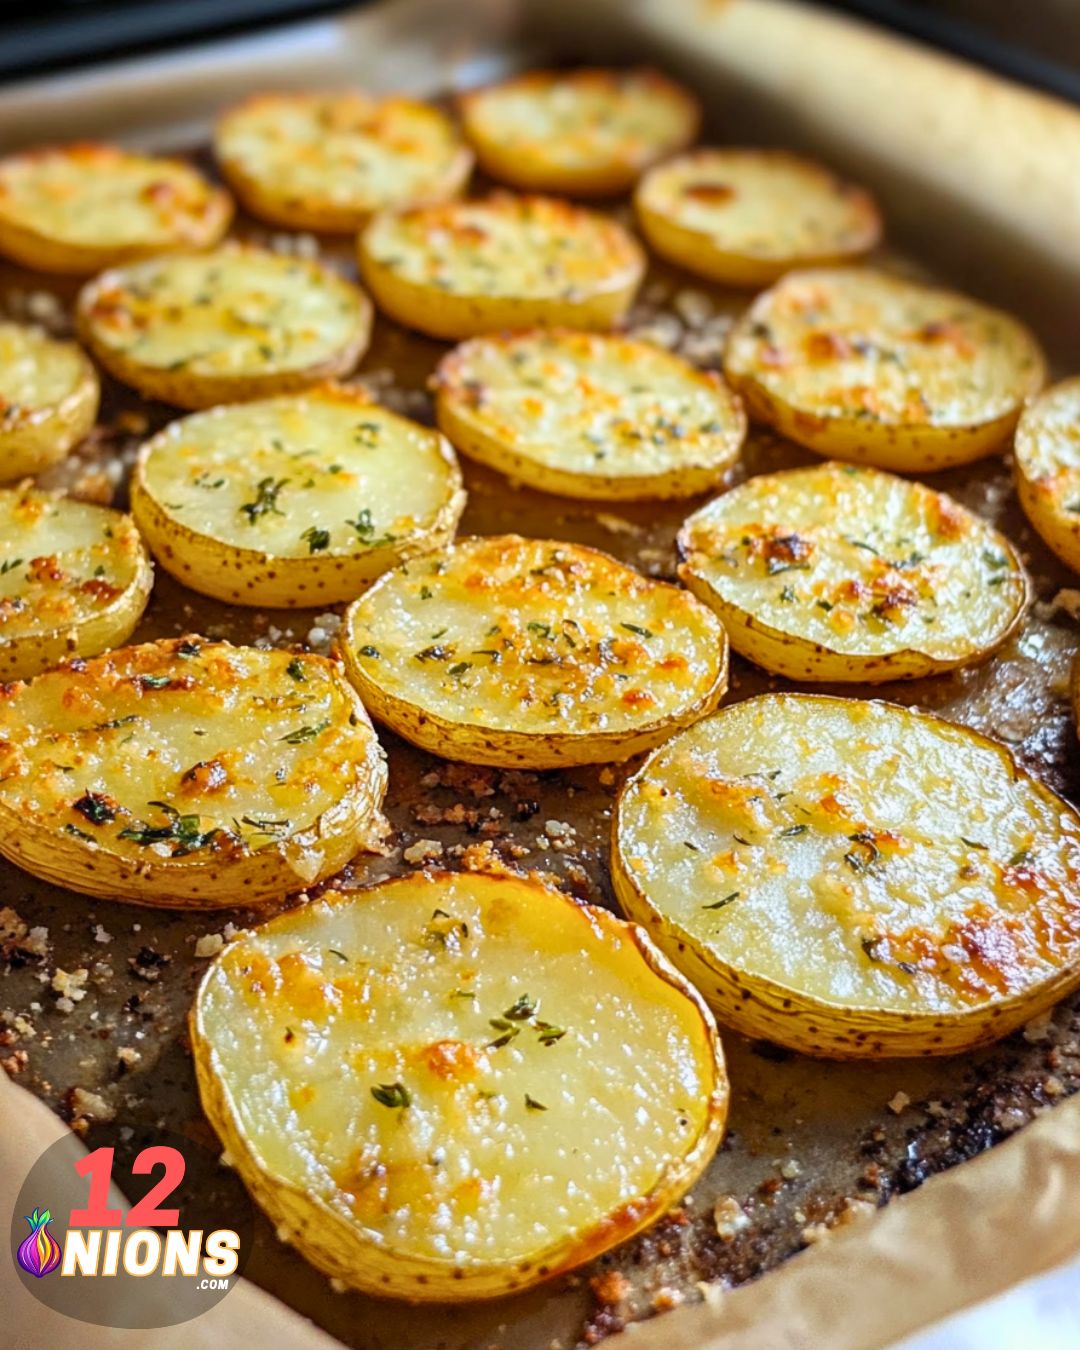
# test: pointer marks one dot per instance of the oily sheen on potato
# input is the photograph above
(532, 653)
(1046, 454)
(862, 365)
(589, 414)
(297, 500)
(845, 573)
(49, 396)
(188, 773)
(427, 1084)
(852, 878)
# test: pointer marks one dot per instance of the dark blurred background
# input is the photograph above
(1036, 41)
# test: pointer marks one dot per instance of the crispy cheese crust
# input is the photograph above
(860, 365)
(188, 773)
(1046, 455)
(235, 324)
(328, 161)
(503, 262)
(298, 500)
(527, 652)
(81, 207)
(848, 574)
(583, 132)
(49, 396)
(426, 1084)
(852, 878)
(589, 415)
(745, 217)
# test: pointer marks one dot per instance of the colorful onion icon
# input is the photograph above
(39, 1251)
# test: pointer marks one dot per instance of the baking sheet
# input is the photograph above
(811, 1144)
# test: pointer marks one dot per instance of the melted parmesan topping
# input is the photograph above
(527, 635)
(344, 150)
(99, 195)
(1048, 444)
(62, 562)
(856, 343)
(37, 373)
(182, 749)
(469, 1068)
(593, 404)
(526, 247)
(326, 472)
(859, 852)
(858, 561)
(235, 311)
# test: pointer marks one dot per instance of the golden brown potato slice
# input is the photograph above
(49, 395)
(527, 652)
(1046, 454)
(589, 415)
(745, 217)
(848, 574)
(583, 132)
(328, 161)
(852, 878)
(426, 1084)
(860, 365)
(188, 773)
(78, 208)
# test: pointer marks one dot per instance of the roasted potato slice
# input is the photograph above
(235, 324)
(851, 878)
(860, 365)
(745, 217)
(464, 268)
(49, 395)
(82, 207)
(319, 161)
(188, 773)
(589, 415)
(1046, 455)
(425, 1084)
(298, 500)
(843, 573)
(583, 132)
(526, 652)
(74, 580)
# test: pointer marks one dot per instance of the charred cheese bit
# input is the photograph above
(49, 396)
(187, 773)
(428, 1085)
(237, 323)
(844, 573)
(527, 652)
(746, 217)
(78, 208)
(466, 268)
(582, 132)
(589, 415)
(328, 161)
(908, 888)
(1047, 458)
(865, 366)
(298, 500)
(74, 580)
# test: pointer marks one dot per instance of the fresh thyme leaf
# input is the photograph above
(521, 1009)
(792, 830)
(265, 503)
(974, 843)
(9, 564)
(395, 1095)
(636, 628)
(719, 904)
(317, 539)
(295, 670)
(531, 1104)
(302, 734)
(96, 807)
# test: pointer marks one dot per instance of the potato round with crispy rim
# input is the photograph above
(426, 1084)
(78, 208)
(527, 652)
(582, 132)
(49, 396)
(464, 268)
(74, 580)
(843, 573)
(328, 161)
(299, 500)
(189, 774)
(238, 323)
(852, 878)
(589, 415)
(745, 217)
(1046, 453)
(860, 365)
